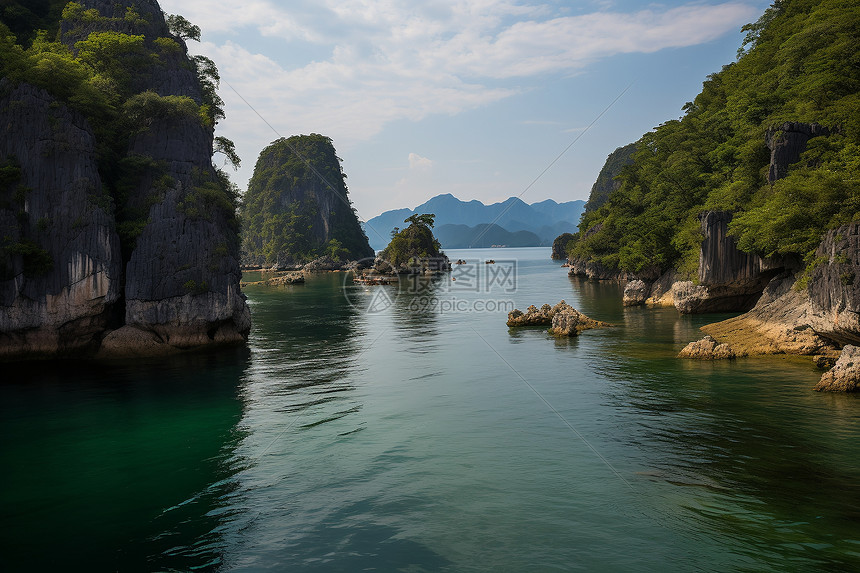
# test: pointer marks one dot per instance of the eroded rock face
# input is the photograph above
(570, 322)
(782, 322)
(58, 206)
(834, 290)
(563, 319)
(728, 279)
(721, 263)
(660, 291)
(635, 293)
(707, 349)
(596, 271)
(535, 316)
(845, 375)
(786, 142)
(182, 274)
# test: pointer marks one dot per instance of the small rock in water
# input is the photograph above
(635, 293)
(707, 349)
(845, 375)
(535, 316)
(570, 322)
(563, 319)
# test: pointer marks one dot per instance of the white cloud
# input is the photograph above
(416, 162)
(381, 61)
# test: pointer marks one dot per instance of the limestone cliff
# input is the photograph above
(137, 226)
(728, 278)
(817, 319)
(60, 265)
(834, 289)
(297, 206)
(786, 142)
(559, 246)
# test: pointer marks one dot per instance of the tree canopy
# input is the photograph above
(416, 242)
(95, 64)
(297, 206)
(800, 62)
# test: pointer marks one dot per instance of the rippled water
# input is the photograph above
(383, 432)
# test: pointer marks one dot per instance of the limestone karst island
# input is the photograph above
(497, 285)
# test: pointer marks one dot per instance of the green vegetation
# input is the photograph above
(97, 67)
(560, 244)
(37, 261)
(606, 181)
(25, 18)
(182, 28)
(281, 215)
(800, 62)
(414, 244)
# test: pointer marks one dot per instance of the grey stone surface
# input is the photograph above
(181, 280)
(845, 374)
(63, 212)
(786, 142)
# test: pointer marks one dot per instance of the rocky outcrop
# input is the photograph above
(60, 265)
(834, 289)
(786, 143)
(171, 284)
(559, 246)
(570, 322)
(635, 293)
(297, 206)
(845, 374)
(596, 271)
(534, 316)
(413, 250)
(563, 319)
(728, 279)
(707, 349)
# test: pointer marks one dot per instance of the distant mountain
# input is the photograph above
(483, 235)
(546, 219)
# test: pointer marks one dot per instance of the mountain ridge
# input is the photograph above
(545, 219)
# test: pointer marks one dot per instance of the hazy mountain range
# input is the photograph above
(464, 224)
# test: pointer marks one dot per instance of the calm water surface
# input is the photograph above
(388, 431)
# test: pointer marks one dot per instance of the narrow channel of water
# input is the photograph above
(400, 429)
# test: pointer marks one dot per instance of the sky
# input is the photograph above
(484, 99)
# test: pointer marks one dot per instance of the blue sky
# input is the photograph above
(470, 97)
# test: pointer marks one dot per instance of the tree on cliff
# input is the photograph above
(415, 246)
(297, 206)
(798, 64)
(96, 66)
(108, 159)
(607, 181)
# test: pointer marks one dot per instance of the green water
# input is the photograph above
(373, 432)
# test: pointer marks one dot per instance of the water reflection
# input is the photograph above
(300, 389)
(417, 306)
